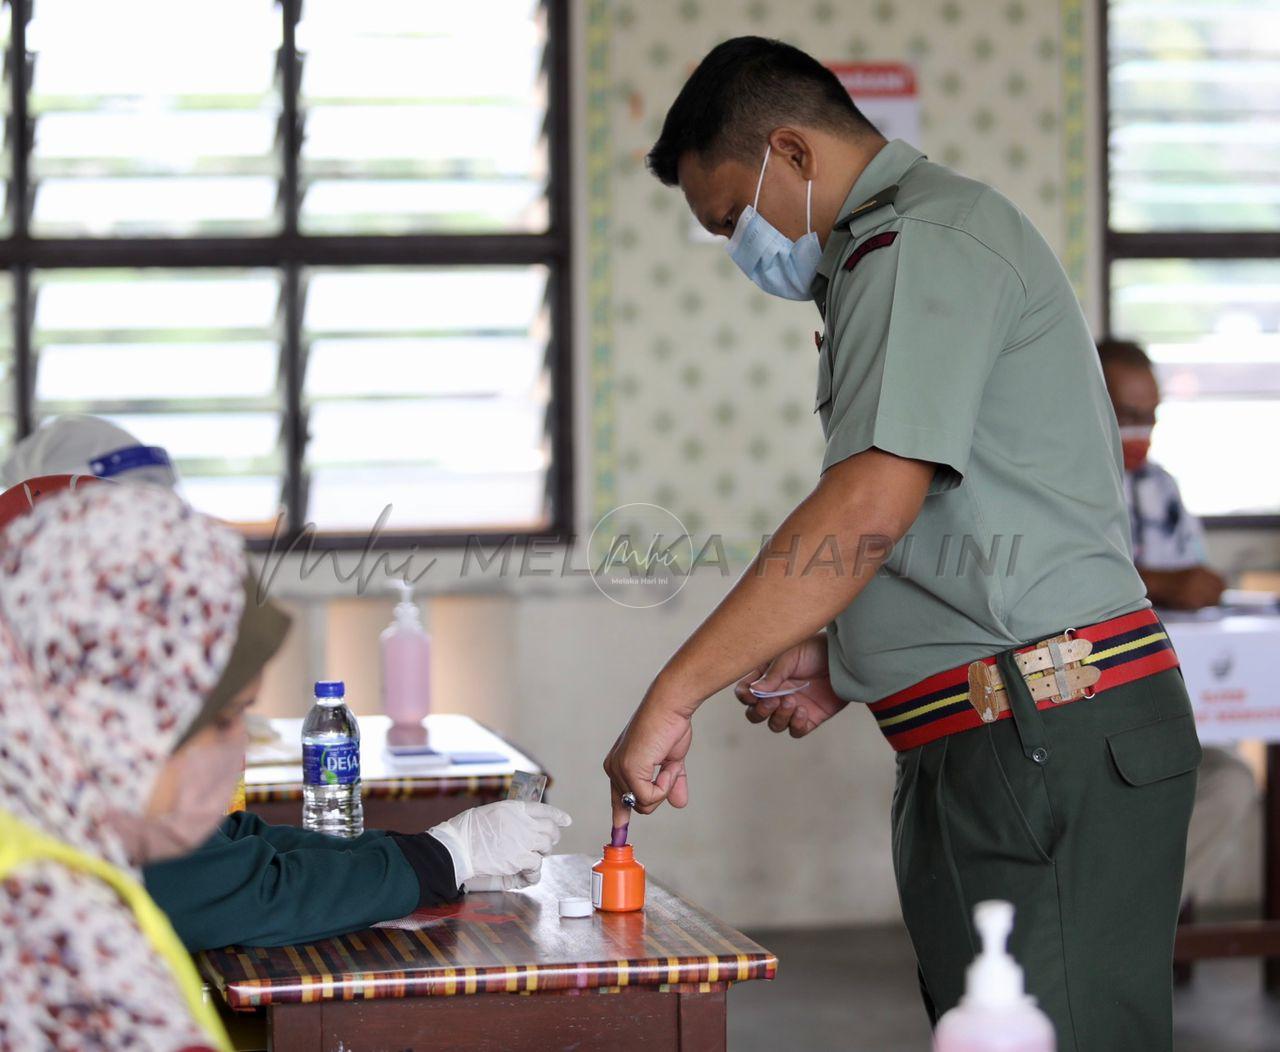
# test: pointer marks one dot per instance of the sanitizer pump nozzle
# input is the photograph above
(995, 1014)
(994, 977)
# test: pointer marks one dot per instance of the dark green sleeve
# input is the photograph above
(255, 889)
(244, 824)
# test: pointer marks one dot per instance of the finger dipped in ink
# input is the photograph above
(618, 835)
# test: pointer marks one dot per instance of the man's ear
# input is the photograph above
(794, 148)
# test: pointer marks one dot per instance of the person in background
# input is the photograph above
(118, 610)
(256, 884)
(87, 445)
(1168, 550)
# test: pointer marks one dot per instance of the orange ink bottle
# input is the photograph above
(617, 881)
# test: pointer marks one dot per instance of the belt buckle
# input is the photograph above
(986, 690)
(1071, 678)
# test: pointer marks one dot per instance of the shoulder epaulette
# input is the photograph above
(879, 200)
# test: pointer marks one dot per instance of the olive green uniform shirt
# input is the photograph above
(953, 336)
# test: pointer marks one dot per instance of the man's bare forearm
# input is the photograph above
(817, 562)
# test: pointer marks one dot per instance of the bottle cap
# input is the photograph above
(330, 688)
(575, 907)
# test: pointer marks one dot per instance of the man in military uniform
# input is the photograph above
(962, 564)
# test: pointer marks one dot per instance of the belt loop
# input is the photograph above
(1026, 717)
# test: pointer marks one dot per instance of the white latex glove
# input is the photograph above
(506, 839)
(524, 879)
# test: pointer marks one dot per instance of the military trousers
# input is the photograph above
(1078, 816)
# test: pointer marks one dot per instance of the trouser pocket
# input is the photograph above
(1154, 752)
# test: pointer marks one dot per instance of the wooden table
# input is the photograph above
(394, 799)
(504, 972)
(1226, 659)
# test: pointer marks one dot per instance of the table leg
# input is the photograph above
(703, 1022)
(1271, 860)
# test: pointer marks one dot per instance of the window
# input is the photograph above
(319, 251)
(1192, 238)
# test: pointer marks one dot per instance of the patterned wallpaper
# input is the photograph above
(702, 386)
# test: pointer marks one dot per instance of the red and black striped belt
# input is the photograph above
(1079, 663)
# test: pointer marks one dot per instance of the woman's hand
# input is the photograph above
(507, 839)
(808, 707)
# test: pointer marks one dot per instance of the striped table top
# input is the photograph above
(447, 732)
(513, 942)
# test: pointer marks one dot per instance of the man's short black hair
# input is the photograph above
(1122, 352)
(739, 93)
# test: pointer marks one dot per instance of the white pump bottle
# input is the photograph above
(995, 1014)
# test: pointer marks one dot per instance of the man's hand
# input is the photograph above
(860, 508)
(1190, 589)
(801, 712)
(656, 739)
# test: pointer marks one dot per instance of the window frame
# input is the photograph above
(290, 250)
(1164, 244)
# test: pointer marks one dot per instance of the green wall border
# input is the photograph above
(599, 28)
(1074, 152)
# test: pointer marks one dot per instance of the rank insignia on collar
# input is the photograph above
(872, 243)
(884, 197)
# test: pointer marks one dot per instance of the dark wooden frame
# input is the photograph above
(290, 251)
(1173, 244)
(630, 1020)
(1252, 938)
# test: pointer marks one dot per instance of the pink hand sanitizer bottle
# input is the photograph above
(406, 664)
(995, 1014)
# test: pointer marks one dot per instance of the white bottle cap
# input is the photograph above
(994, 978)
(575, 907)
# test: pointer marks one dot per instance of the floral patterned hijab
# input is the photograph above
(118, 610)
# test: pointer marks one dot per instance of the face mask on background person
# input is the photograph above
(1135, 444)
(778, 265)
(190, 796)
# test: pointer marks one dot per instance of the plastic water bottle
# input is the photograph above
(995, 1014)
(331, 765)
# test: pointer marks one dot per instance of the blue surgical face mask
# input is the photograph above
(777, 264)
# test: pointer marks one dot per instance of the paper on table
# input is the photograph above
(272, 753)
(417, 761)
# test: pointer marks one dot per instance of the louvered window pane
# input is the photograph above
(185, 360)
(6, 218)
(6, 365)
(423, 116)
(154, 117)
(1213, 329)
(426, 392)
(1195, 115)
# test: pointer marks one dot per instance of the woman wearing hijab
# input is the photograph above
(118, 610)
(256, 884)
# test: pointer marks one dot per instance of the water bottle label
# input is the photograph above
(334, 764)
